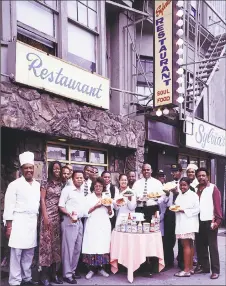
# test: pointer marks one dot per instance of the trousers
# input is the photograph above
(72, 234)
(20, 265)
(206, 243)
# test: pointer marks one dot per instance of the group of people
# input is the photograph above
(75, 227)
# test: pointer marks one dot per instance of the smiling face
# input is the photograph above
(98, 189)
(146, 171)
(28, 172)
(123, 182)
(56, 171)
(202, 178)
(191, 174)
(87, 172)
(184, 186)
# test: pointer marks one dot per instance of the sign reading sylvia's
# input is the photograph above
(37, 69)
(207, 137)
(163, 25)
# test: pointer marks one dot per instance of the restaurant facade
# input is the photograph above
(60, 112)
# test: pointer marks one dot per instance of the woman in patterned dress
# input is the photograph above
(50, 238)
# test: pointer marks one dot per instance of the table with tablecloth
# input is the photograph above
(131, 250)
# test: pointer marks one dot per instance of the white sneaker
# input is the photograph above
(103, 273)
(89, 275)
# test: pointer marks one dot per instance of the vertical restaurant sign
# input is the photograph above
(35, 68)
(163, 52)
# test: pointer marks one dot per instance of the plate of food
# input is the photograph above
(106, 202)
(154, 195)
(169, 186)
(174, 208)
(120, 202)
(128, 193)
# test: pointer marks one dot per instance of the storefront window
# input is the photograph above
(77, 156)
(194, 161)
(203, 163)
(56, 152)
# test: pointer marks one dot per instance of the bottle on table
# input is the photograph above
(152, 226)
(157, 221)
(139, 227)
(129, 224)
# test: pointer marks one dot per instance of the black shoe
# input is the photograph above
(76, 275)
(56, 280)
(148, 274)
(46, 282)
(199, 270)
(70, 280)
(28, 283)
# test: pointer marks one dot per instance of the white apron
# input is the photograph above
(97, 234)
(22, 206)
(24, 231)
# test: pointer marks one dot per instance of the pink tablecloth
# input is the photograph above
(131, 250)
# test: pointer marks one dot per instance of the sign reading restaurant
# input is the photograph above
(35, 68)
(208, 138)
(163, 52)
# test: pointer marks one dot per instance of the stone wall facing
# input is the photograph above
(31, 110)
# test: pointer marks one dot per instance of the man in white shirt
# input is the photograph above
(142, 188)
(21, 209)
(72, 199)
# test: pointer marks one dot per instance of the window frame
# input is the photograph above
(70, 147)
(145, 59)
(93, 32)
(62, 31)
(41, 35)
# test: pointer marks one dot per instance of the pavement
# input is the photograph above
(162, 278)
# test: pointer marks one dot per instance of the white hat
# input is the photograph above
(26, 158)
(192, 166)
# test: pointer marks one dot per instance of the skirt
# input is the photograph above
(96, 259)
(190, 235)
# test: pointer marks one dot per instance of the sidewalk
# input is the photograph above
(164, 278)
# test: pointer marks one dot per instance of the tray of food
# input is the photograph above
(174, 208)
(154, 195)
(128, 193)
(169, 186)
(120, 202)
(106, 202)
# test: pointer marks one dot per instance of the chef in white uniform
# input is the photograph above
(20, 214)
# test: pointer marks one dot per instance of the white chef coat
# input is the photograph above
(127, 208)
(153, 185)
(195, 183)
(188, 221)
(97, 234)
(22, 202)
(73, 199)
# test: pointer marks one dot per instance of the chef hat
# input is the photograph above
(26, 158)
(192, 166)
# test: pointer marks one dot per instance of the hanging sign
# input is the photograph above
(163, 52)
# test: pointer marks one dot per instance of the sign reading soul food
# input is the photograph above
(207, 137)
(37, 69)
(163, 24)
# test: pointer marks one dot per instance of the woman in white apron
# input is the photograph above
(97, 234)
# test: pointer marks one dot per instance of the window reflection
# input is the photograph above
(97, 157)
(56, 153)
(79, 155)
